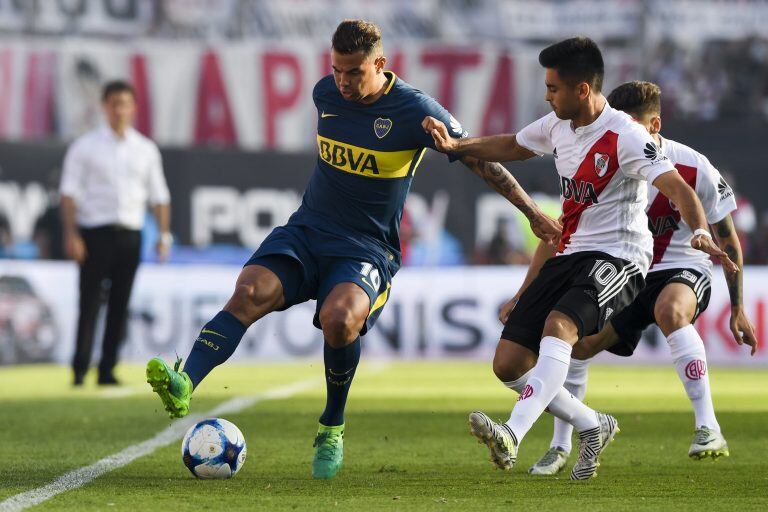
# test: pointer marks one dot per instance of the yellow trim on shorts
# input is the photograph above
(380, 300)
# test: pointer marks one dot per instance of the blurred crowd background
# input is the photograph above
(224, 88)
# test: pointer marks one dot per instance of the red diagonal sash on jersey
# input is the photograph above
(661, 209)
(587, 174)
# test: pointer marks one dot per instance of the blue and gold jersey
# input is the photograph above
(367, 157)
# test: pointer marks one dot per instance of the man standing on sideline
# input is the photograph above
(109, 176)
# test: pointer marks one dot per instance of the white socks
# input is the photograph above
(565, 407)
(691, 365)
(561, 388)
(519, 384)
(542, 387)
(576, 383)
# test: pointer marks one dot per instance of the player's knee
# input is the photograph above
(252, 301)
(340, 326)
(506, 370)
(502, 372)
(561, 326)
(670, 316)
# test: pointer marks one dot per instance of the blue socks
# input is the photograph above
(217, 341)
(219, 338)
(340, 366)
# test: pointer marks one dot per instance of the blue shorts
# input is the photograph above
(295, 255)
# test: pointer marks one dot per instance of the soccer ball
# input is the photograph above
(213, 448)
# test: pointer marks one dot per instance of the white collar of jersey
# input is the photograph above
(596, 124)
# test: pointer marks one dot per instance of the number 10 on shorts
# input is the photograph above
(370, 275)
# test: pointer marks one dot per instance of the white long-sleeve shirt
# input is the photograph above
(112, 179)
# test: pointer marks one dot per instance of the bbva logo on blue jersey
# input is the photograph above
(381, 127)
(346, 158)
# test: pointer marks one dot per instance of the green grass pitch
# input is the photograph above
(407, 443)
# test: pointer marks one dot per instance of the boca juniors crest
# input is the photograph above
(601, 163)
(381, 127)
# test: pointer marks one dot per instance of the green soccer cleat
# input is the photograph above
(708, 443)
(329, 452)
(172, 386)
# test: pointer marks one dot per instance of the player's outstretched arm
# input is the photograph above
(741, 327)
(544, 251)
(494, 148)
(672, 185)
(502, 181)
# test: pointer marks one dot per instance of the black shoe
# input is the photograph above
(78, 380)
(108, 380)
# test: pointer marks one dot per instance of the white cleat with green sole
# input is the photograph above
(708, 443)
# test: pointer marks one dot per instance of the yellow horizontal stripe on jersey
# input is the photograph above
(367, 162)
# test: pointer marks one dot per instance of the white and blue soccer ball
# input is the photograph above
(213, 448)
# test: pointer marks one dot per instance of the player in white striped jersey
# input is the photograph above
(677, 286)
(603, 159)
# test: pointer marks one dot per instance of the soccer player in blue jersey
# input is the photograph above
(342, 245)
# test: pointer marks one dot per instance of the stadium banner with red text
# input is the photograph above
(255, 95)
(431, 314)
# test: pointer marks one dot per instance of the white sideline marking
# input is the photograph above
(82, 476)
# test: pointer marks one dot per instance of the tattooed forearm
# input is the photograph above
(498, 177)
(728, 240)
(502, 181)
(723, 229)
(734, 280)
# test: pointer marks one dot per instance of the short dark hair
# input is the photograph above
(116, 86)
(576, 60)
(352, 36)
(636, 98)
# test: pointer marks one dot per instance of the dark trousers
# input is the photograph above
(113, 255)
